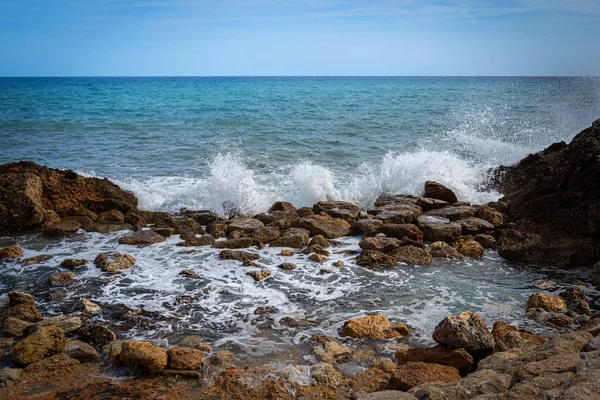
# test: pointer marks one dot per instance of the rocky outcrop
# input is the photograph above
(33, 197)
(554, 197)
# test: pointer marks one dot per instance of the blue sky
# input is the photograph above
(299, 37)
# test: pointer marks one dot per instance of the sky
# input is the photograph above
(299, 37)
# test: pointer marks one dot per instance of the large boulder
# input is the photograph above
(554, 193)
(373, 327)
(466, 330)
(435, 190)
(326, 226)
(33, 197)
(45, 342)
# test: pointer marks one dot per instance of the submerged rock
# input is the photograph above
(72, 263)
(259, 275)
(374, 327)
(61, 279)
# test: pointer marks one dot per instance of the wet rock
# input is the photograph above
(383, 244)
(217, 229)
(72, 263)
(35, 260)
(287, 266)
(466, 330)
(326, 206)
(9, 375)
(511, 340)
(486, 241)
(400, 231)
(182, 374)
(164, 232)
(66, 324)
(453, 213)
(319, 240)
(470, 248)
(293, 237)
(62, 278)
(6, 343)
(444, 250)
(221, 358)
(10, 252)
(195, 342)
(241, 243)
(113, 261)
(81, 351)
(338, 264)
(106, 228)
(64, 228)
(373, 327)
(58, 362)
(414, 374)
(439, 229)
(282, 206)
(474, 225)
(427, 203)
(324, 374)
(546, 302)
(490, 215)
(188, 273)
(144, 355)
(24, 311)
(245, 225)
(88, 307)
(594, 275)
(142, 238)
(482, 384)
(457, 358)
(399, 217)
(573, 294)
(192, 241)
(181, 358)
(374, 258)
(326, 226)
(383, 363)
(305, 212)
(111, 217)
(286, 253)
(368, 227)
(186, 226)
(412, 255)
(328, 349)
(316, 249)
(266, 234)
(46, 342)
(435, 190)
(15, 327)
(559, 321)
(238, 255)
(259, 275)
(16, 298)
(97, 334)
(539, 315)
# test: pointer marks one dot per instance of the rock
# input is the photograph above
(559, 321)
(455, 213)
(10, 252)
(195, 342)
(444, 250)
(24, 311)
(266, 234)
(414, 374)
(135, 353)
(486, 241)
(435, 190)
(287, 266)
(539, 315)
(113, 261)
(46, 342)
(326, 206)
(427, 203)
(15, 327)
(35, 260)
(238, 255)
(188, 273)
(594, 275)
(439, 229)
(383, 363)
(240, 243)
(573, 294)
(111, 217)
(490, 215)
(15, 298)
(165, 232)
(399, 231)
(88, 307)
(338, 264)
(383, 244)
(181, 358)
(324, 374)
(388, 395)
(546, 302)
(8, 375)
(374, 258)
(457, 358)
(81, 351)
(470, 248)
(482, 384)
(474, 225)
(326, 226)
(142, 238)
(305, 212)
(61, 279)
(511, 340)
(107, 228)
(185, 226)
(368, 227)
(593, 344)
(293, 237)
(399, 217)
(64, 228)
(72, 263)
(222, 358)
(58, 362)
(67, 325)
(329, 349)
(373, 327)
(500, 329)
(412, 255)
(319, 240)
(244, 224)
(217, 229)
(315, 248)
(182, 374)
(192, 241)
(97, 334)
(259, 275)
(466, 330)
(286, 253)
(282, 206)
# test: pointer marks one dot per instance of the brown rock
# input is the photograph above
(399, 217)
(113, 261)
(328, 349)
(470, 248)
(326, 226)
(81, 351)
(319, 241)
(143, 354)
(217, 229)
(16, 298)
(546, 302)
(282, 206)
(181, 358)
(286, 253)
(287, 266)
(414, 374)
(383, 244)
(142, 238)
(412, 255)
(500, 329)
(435, 190)
(457, 358)
(25, 312)
(466, 330)
(305, 212)
(374, 258)
(444, 250)
(453, 213)
(222, 358)
(259, 275)
(241, 243)
(46, 342)
(72, 263)
(486, 241)
(399, 231)
(238, 255)
(10, 252)
(318, 258)
(193, 241)
(61, 279)
(166, 232)
(35, 260)
(439, 229)
(97, 334)
(427, 203)
(15, 327)
(368, 226)
(266, 234)
(490, 215)
(293, 237)
(195, 342)
(559, 321)
(474, 225)
(66, 227)
(245, 225)
(324, 374)
(373, 327)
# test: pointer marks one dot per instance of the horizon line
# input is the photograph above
(299, 76)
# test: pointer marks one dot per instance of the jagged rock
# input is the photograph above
(10, 252)
(470, 248)
(143, 238)
(466, 330)
(287, 266)
(113, 261)
(457, 358)
(444, 250)
(414, 374)
(240, 243)
(62, 278)
(292, 237)
(135, 353)
(181, 358)
(368, 226)
(324, 374)
(326, 226)
(315, 248)
(383, 244)
(259, 275)
(403, 216)
(412, 255)
(15, 327)
(435, 190)
(35, 260)
(374, 258)
(97, 334)
(238, 255)
(439, 229)
(111, 217)
(318, 258)
(329, 349)
(45, 342)
(319, 240)
(373, 327)
(500, 329)
(16, 298)
(546, 302)
(24, 311)
(72, 263)
(89, 307)
(383, 363)
(217, 229)
(305, 212)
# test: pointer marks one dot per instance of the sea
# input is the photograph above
(201, 142)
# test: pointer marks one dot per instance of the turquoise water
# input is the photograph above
(197, 142)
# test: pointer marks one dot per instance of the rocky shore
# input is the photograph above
(549, 215)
